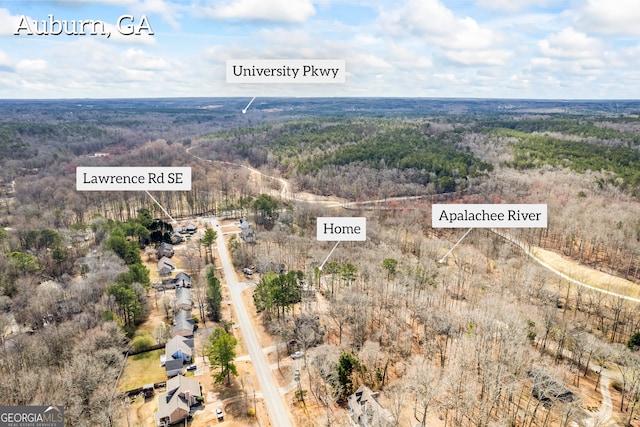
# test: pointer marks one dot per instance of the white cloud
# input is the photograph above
(438, 24)
(9, 23)
(261, 10)
(95, 67)
(31, 66)
(610, 17)
(462, 40)
(495, 57)
(168, 10)
(570, 44)
(406, 58)
(513, 5)
(137, 59)
(5, 61)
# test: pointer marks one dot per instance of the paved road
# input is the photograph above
(277, 411)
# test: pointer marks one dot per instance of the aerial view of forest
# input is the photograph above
(100, 290)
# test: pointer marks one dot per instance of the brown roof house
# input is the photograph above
(175, 405)
(366, 411)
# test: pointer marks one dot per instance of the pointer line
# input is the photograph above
(247, 107)
(454, 246)
(163, 209)
(327, 258)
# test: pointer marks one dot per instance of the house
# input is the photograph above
(246, 233)
(165, 266)
(179, 348)
(182, 279)
(173, 367)
(366, 411)
(175, 405)
(182, 324)
(183, 299)
(264, 266)
(546, 389)
(165, 250)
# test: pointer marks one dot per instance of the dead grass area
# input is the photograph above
(284, 376)
(141, 410)
(264, 338)
(141, 369)
(156, 315)
(588, 275)
(228, 398)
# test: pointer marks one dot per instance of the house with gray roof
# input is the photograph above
(182, 279)
(183, 299)
(179, 348)
(175, 405)
(165, 250)
(174, 367)
(165, 266)
(183, 324)
(366, 411)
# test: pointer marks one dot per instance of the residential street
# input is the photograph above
(277, 411)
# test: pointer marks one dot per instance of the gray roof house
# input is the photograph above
(173, 367)
(179, 348)
(182, 279)
(182, 324)
(165, 250)
(165, 266)
(183, 299)
(175, 405)
(366, 411)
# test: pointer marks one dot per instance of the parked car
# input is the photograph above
(192, 368)
(247, 271)
(219, 414)
(148, 390)
(297, 355)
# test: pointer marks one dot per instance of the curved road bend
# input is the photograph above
(277, 411)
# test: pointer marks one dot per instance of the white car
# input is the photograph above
(219, 414)
(297, 355)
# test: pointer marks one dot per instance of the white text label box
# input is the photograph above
(140, 178)
(286, 71)
(489, 216)
(343, 229)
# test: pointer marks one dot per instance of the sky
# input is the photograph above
(540, 49)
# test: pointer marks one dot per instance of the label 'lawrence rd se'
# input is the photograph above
(143, 178)
(489, 216)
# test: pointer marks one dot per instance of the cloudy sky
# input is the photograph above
(426, 48)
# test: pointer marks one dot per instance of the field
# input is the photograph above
(143, 368)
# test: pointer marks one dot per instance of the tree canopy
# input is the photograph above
(221, 353)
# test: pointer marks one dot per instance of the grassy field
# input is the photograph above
(589, 276)
(141, 369)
